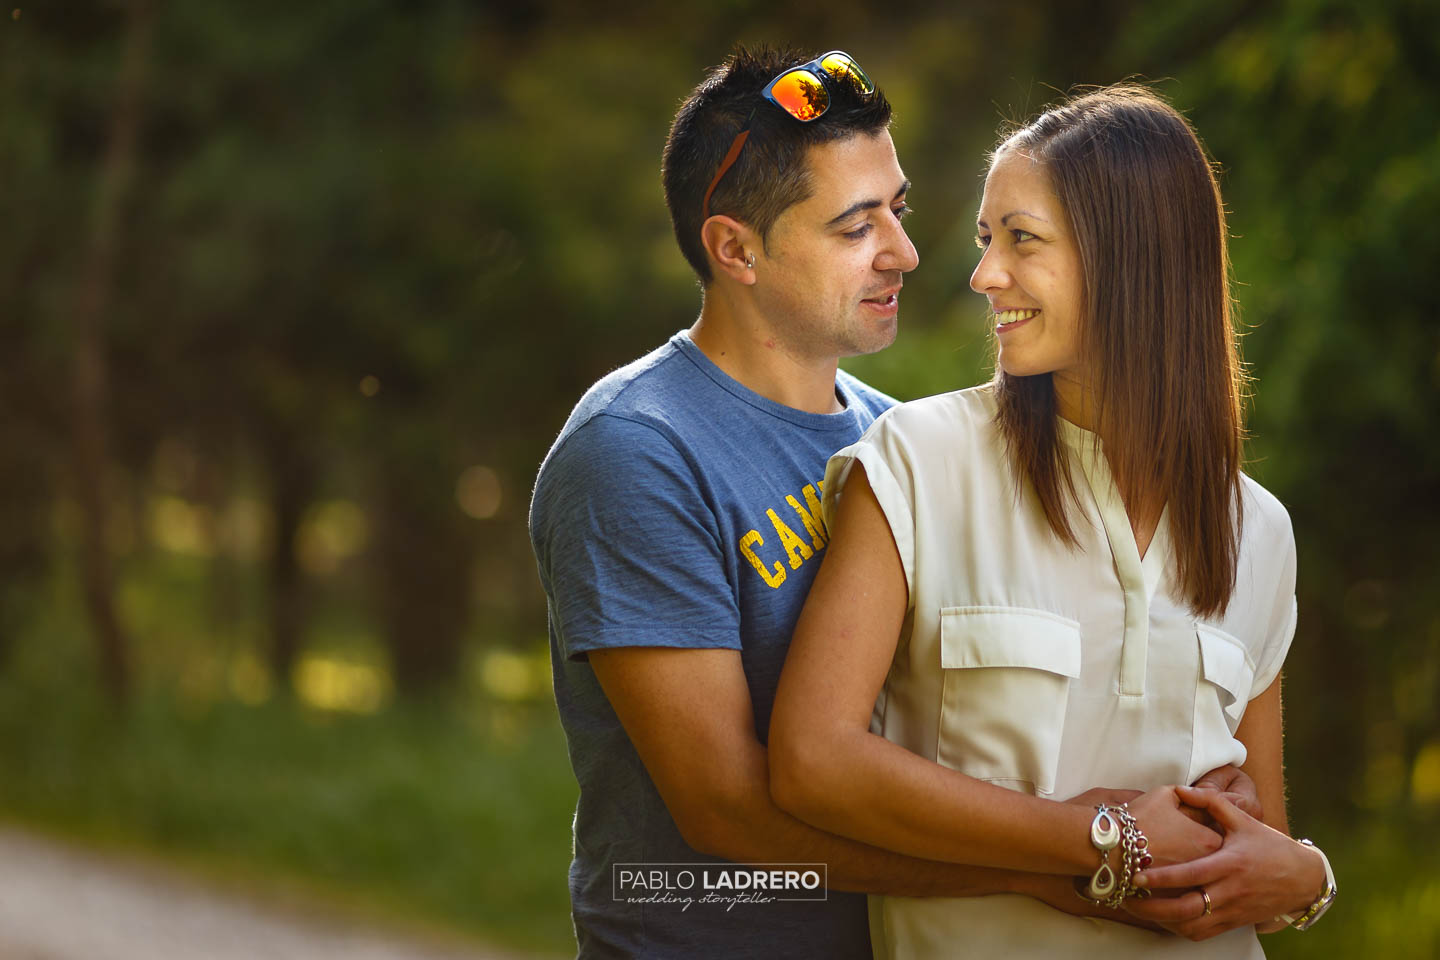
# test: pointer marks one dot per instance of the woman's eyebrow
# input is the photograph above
(1021, 213)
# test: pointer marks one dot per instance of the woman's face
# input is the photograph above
(1029, 271)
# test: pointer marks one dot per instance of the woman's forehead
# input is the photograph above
(1016, 178)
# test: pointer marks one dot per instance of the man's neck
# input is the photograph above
(748, 349)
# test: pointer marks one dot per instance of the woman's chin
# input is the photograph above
(1017, 367)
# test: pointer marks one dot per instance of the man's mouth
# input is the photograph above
(886, 299)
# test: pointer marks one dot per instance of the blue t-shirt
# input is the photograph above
(678, 508)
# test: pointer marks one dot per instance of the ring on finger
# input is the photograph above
(1206, 897)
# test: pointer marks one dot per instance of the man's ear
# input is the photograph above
(731, 247)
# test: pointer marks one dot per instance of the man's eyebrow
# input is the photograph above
(855, 208)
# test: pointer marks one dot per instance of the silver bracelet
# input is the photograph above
(1112, 827)
(1136, 847)
(1104, 836)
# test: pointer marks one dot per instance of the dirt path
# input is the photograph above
(60, 903)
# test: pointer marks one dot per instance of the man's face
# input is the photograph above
(829, 280)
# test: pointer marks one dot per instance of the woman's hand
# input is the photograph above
(1256, 875)
(1112, 796)
(1174, 837)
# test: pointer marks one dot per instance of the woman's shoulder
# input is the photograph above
(949, 416)
(1265, 519)
(1261, 613)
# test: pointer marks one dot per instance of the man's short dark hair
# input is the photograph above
(770, 174)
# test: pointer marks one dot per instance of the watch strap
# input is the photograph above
(1322, 902)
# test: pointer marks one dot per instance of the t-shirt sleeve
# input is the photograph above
(1280, 628)
(628, 554)
(883, 453)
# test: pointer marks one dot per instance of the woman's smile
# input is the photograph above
(1007, 320)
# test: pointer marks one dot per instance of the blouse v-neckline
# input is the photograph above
(1138, 576)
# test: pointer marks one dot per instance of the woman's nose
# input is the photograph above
(990, 273)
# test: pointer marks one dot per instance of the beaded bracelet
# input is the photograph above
(1136, 847)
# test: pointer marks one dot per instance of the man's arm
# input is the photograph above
(688, 712)
(627, 560)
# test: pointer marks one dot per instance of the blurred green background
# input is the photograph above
(295, 296)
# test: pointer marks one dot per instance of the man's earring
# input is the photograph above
(750, 261)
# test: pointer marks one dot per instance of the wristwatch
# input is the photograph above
(1322, 903)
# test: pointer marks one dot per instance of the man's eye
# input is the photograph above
(903, 211)
(857, 233)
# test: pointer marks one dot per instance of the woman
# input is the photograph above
(1062, 579)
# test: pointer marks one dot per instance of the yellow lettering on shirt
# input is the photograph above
(797, 551)
(794, 546)
(812, 517)
(747, 547)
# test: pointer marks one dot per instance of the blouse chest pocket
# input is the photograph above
(1007, 674)
(1221, 694)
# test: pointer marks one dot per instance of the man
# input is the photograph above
(677, 526)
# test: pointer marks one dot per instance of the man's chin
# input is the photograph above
(874, 338)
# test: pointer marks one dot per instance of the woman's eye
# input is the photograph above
(1022, 235)
(982, 242)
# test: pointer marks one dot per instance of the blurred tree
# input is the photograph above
(368, 255)
(294, 480)
(370, 249)
(1321, 115)
(90, 379)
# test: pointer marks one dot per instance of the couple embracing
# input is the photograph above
(1030, 703)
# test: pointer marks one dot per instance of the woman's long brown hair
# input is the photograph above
(1156, 330)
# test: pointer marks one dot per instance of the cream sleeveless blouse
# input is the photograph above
(1049, 670)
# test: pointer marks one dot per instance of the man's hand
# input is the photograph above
(1229, 781)
(1234, 785)
(1059, 892)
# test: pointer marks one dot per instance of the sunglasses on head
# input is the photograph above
(804, 93)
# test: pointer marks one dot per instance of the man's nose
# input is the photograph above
(900, 253)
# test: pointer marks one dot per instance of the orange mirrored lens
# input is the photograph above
(841, 67)
(802, 94)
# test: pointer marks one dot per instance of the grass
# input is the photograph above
(413, 814)
(453, 816)
(423, 816)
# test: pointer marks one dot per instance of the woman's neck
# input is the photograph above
(1076, 402)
